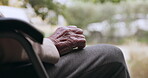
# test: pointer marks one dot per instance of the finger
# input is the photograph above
(61, 45)
(77, 30)
(65, 46)
(77, 41)
(63, 39)
(77, 35)
(70, 44)
(65, 50)
(61, 31)
(77, 38)
(81, 44)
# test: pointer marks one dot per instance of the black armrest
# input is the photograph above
(15, 24)
(13, 28)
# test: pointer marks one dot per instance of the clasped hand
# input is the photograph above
(68, 38)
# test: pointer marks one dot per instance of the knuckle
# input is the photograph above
(80, 29)
(66, 29)
(82, 36)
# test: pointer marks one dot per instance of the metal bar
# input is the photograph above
(38, 65)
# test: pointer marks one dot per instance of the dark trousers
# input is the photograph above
(98, 61)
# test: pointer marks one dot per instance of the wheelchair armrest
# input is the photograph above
(13, 28)
(7, 24)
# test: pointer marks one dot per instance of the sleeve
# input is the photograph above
(15, 52)
(50, 51)
(47, 51)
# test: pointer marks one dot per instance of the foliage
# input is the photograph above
(141, 36)
(102, 1)
(43, 8)
(4, 2)
(82, 14)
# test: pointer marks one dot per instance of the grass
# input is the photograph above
(138, 64)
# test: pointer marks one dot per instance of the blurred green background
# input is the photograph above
(123, 23)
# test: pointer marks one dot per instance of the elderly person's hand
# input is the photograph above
(68, 38)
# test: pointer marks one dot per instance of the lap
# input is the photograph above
(74, 64)
(103, 60)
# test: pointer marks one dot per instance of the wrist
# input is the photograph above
(54, 42)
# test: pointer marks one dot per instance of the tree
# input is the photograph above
(42, 8)
(101, 1)
(81, 14)
(4, 2)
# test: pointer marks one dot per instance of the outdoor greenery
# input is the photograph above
(43, 8)
(113, 14)
(84, 12)
(4, 2)
(102, 1)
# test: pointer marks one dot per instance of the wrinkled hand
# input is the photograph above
(68, 38)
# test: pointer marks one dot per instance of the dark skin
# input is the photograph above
(68, 38)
